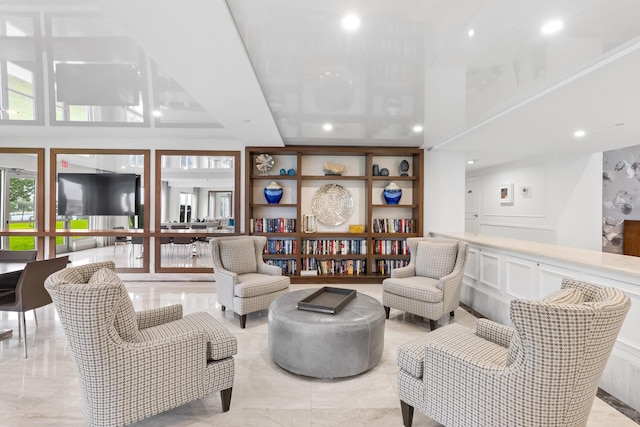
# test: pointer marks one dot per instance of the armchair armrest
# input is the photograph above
(221, 274)
(406, 271)
(158, 316)
(494, 332)
(271, 270)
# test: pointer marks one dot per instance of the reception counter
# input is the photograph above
(499, 270)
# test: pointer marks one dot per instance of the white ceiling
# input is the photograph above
(273, 72)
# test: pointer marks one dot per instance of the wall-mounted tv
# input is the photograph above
(97, 84)
(98, 194)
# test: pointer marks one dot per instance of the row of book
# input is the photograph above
(334, 247)
(384, 266)
(333, 266)
(393, 225)
(281, 247)
(272, 225)
(390, 247)
(288, 266)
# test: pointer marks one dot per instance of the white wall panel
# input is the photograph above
(490, 269)
(520, 278)
(550, 278)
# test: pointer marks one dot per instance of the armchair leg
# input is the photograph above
(387, 310)
(434, 324)
(243, 321)
(452, 314)
(225, 397)
(407, 414)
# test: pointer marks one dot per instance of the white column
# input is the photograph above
(444, 191)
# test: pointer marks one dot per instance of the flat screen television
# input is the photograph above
(97, 84)
(81, 194)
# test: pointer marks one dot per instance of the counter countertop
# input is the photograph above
(599, 260)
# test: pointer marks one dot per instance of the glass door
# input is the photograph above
(19, 207)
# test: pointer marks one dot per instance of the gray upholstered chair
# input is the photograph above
(430, 285)
(542, 372)
(9, 281)
(29, 292)
(17, 256)
(132, 365)
(244, 282)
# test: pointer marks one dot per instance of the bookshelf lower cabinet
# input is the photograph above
(335, 253)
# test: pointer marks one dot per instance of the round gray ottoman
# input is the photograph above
(324, 345)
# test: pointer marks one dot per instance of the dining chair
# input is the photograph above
(120, 240)
(17, 256)
(9, 281)
(30, 293)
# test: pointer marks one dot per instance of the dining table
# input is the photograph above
(8, 269)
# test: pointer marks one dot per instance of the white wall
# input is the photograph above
(562, 203)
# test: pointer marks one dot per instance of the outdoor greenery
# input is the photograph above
(21, 192)
(28, 242)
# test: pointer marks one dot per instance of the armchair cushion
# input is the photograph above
(415, 287)
(453, 341)
(238, 255)
(253, 284)
(126, 322)
(435, 259)
(220, 343)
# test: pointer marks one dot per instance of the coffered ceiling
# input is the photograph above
(477, 76)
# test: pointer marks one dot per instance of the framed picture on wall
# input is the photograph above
(506, 194)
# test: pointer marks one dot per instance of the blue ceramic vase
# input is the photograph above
(273, 193)
(392, 194)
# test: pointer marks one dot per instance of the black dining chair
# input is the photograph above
(30, 293)
(120, 240)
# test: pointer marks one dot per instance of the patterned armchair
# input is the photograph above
(542, 372)
(244, 282)
(430, 285)
(132, 365)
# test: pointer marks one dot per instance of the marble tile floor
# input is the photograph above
(43, 390)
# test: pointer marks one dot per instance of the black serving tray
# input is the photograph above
(327, 300)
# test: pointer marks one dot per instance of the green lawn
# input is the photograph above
(20, 243)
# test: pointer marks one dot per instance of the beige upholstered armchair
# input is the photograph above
(244, 282)
(132, 365)
(430, 285)
(542, 372)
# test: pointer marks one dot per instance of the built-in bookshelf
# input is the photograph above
(367, 243)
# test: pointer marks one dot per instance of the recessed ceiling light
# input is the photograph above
(579, 133)
(471, 33)
(350, 22)
(327, 127)
(417, 128)
(552, 27)
(157, 113)
(471, 162)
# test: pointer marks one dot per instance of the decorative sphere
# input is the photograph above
(283, 171)
(404, 167)
(384, 172)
